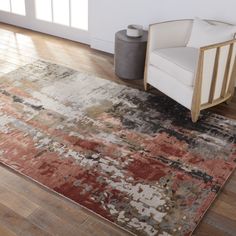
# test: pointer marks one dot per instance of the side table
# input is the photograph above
(130, 55)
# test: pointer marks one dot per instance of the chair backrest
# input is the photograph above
(169, 34)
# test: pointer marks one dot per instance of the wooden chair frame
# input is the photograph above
(226, 93)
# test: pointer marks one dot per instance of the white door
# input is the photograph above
(63, 18)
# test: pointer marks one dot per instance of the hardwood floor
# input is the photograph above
(28, 209)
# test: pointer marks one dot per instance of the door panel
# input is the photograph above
(43, 10)
(61, 12)
(5, 5)
(79, 14)
(18, 6)
(72, 13)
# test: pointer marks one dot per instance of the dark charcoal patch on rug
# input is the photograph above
(132, 157)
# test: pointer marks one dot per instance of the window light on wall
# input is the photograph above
(13, 6)
(72, 13)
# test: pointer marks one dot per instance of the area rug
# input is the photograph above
(134, 158)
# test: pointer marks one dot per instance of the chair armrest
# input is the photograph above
(218, 45)
(216, 74)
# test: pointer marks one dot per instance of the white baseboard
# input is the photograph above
(102, 45)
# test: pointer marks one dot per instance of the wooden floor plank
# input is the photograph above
(210, 230)
(18, 224)
(40, 197)
(103, 229)
(18, 203)
(6, 232)
(223, 224)
(225, 209)
(53, 224)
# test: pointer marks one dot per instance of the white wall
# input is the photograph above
(109, 16)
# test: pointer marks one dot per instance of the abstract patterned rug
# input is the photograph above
(132, 157)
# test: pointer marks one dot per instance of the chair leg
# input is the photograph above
(146, 86)
(229, 100)
(195, 116)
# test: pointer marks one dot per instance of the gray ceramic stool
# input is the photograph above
(130, 54)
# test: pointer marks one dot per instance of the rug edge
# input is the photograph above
(44, 187)
(8, 167)
(213, 200)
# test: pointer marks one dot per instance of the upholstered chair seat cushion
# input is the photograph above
(178, 62)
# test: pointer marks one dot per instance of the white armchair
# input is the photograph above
(195, 78)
